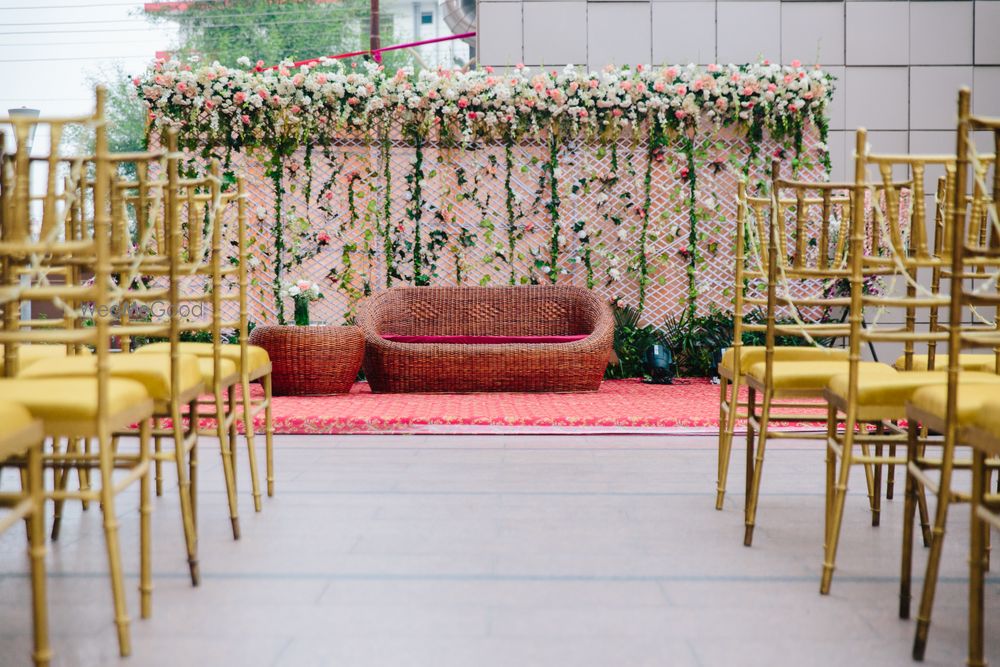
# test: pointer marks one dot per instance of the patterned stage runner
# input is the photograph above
(620, 406)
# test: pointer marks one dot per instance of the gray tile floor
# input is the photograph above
(499, 550)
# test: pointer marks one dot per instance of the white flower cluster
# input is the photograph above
(254, 106)
(297, 289)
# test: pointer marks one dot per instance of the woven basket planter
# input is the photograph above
(311, 361)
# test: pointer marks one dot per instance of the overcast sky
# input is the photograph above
(48, 48)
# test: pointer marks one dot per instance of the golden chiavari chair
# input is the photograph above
(202, 285)
(958, 409)
(799, 281)
(871, 407)
(252, 362)
(173, 380)
(21, 436)
(747, 300)
(93, 407)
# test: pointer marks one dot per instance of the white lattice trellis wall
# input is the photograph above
(349, 222)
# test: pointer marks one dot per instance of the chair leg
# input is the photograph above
(839, 497)
(251, 449)
(193, 461)
(113, 547)
(934, 558)
(978, 533)
(752, 498)
(184, 491)
(890, 474)
(60, 482)
(42, 652)
(925, 525)
(831, 470)
(158, 449)
(83, 475)
(145, 532)
(869, 476)
(877, 509)
(728, 404)
(225, 445)
(987, 477)
(269, 434)
(751, 413)
(909, 510)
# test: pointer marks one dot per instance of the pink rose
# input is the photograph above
(796, 63)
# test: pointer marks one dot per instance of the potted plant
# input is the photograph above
(302, 293)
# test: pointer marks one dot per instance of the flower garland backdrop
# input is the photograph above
(621, 180)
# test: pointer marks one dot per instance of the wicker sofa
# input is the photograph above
(477, 339)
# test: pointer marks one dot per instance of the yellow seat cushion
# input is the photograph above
(71, 399)
(811, 376)
(30, 354)
(985, 363)
(256, 356)
(988, 419)
(754, 354)
(14, 420)
(151, 370)
(971, 397)
(13, 417)
(207, 368)
(885, 397)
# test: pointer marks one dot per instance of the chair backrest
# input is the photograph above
(753, 266)
(35, 247)
(805, 260)
(974, 272)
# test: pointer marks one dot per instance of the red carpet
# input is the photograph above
(620, 406)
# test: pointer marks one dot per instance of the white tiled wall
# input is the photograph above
(898, 63)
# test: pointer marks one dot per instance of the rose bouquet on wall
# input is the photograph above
(286, 107)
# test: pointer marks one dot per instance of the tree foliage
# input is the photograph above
(125, 112)
(271, 30)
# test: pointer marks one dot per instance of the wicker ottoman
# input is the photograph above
(310, 361)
